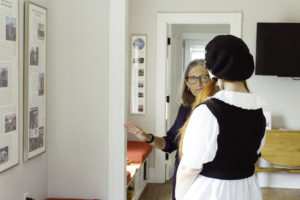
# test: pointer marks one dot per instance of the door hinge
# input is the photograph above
(168, 99)
(169, 41)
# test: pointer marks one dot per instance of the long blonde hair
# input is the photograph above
(209, 90)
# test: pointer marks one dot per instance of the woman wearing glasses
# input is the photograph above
(195, 79)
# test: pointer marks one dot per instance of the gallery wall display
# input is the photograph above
(9, 84)
(138, 74)
(35, 79)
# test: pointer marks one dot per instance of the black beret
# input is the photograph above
(228, 57)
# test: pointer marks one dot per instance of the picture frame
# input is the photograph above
(35, 80)
(138, 74)
(9, 86)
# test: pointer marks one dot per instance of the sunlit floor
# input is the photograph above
(154, 191)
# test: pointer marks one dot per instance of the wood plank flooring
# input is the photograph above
(155, 191)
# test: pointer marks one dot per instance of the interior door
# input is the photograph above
(174, 73)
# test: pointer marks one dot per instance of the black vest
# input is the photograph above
(240, 135)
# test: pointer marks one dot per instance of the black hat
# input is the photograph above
(228, 57)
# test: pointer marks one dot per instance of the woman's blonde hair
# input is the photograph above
(209, 90)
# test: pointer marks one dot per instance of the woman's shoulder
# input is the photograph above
(248, 101)
(182, 108)
(183, 111)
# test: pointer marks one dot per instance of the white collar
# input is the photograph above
(249, 101)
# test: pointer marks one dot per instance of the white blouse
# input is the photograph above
(200, 146)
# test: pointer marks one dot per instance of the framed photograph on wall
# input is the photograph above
(138, 74)
(9, 85)
(35, 80)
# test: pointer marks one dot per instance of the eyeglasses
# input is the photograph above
(193, 80)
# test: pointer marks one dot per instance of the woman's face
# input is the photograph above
(195, 75)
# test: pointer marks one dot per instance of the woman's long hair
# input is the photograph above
(209, 90)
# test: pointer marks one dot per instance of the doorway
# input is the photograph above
(171, 64)
(186, 42)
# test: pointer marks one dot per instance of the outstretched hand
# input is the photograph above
(137, 131)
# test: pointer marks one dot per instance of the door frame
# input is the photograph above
(163, 20)
(118, 73)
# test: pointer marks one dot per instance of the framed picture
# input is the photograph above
(9, 85)
(268, 117)
(35, 80)
(138, 74)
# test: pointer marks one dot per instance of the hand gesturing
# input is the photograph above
(137, 131)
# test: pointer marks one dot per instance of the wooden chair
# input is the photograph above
(281, 148)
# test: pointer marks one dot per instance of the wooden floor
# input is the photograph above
(155, 191)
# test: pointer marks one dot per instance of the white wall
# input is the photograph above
(78, 99)
(30, 176)
(281, 94)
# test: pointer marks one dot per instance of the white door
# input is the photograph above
(174, 74)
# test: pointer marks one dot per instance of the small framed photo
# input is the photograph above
(140, 94)
(138, 60)
(141, 108)
(141, 72)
